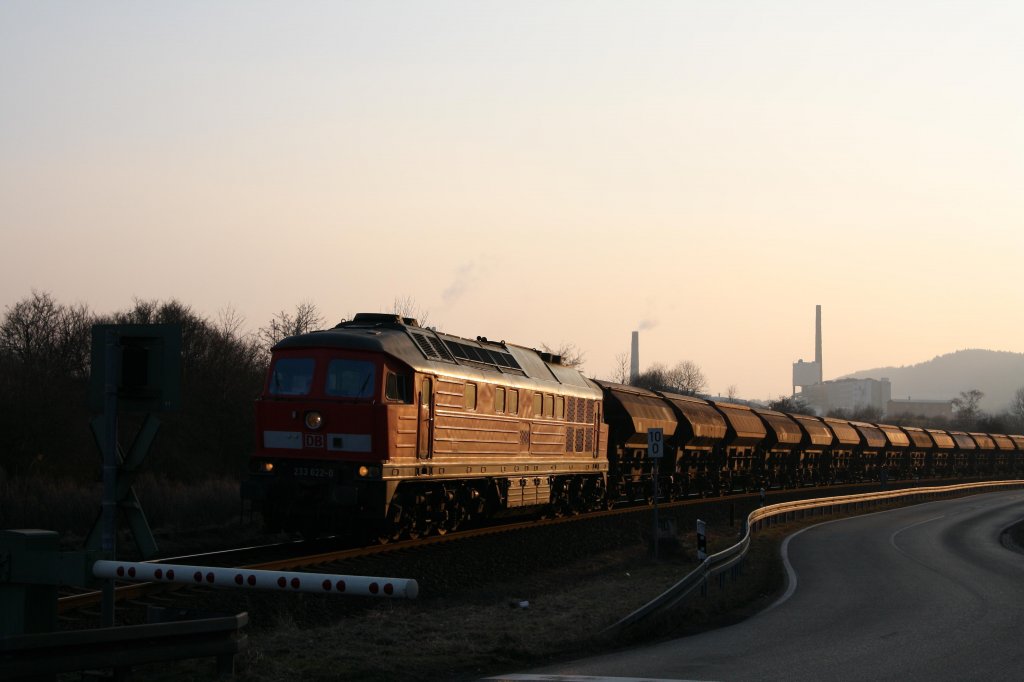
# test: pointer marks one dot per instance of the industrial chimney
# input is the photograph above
(634, 358)
(807, 374)
(817, 342)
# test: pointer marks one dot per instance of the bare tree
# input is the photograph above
(966, 407)
(406, 306)
(307, 318)
(731, 392)
(1017, 405)
(570, 353)
(652, 378)
(620, 370)
(793, 404)
(40, 332)
(686, 377)
(230, 321)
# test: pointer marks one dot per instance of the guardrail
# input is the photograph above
(32, 566)
(41, 655)
(716, 564)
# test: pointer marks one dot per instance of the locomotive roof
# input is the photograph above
(427, 350)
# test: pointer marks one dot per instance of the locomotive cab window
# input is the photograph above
(470, 396)
(396, 387)
(513, 401)
(347, 378)
(549, 405)
(292, 376)
(538, 401)
(499, 399)
(559, 407)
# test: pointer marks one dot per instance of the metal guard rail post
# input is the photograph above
(727, 558)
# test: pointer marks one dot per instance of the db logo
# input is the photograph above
(313, 440)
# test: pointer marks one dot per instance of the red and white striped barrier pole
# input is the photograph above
(253, 579)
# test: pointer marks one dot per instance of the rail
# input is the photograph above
(718, 563)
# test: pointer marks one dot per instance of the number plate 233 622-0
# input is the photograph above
(313, 472)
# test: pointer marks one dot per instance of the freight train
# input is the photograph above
(384, 427)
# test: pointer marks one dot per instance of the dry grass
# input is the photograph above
(480, 630)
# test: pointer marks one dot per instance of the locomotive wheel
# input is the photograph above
(416, 528)
(448, 521)
(390, 529)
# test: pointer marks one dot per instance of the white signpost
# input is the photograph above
(655, 451)
(655, 444)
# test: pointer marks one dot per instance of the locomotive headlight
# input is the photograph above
(368, 472)
(313, 420)
(266, 467)
(364, 471)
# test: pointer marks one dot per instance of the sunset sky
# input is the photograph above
(539, 172)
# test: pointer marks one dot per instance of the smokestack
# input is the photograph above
(634, 358)
(817, 341)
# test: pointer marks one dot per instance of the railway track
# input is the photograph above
(295, 555)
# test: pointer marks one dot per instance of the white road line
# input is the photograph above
(581, 678)
(892, 538)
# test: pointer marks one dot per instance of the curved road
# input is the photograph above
(926, 592)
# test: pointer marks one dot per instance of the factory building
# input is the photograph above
(849, 395)
(929, 409)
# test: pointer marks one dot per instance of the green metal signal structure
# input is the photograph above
(135, 368)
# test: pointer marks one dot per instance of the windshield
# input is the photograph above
(292, 376)
(350, 379)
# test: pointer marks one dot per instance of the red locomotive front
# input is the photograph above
(382, 427)
(321, 434)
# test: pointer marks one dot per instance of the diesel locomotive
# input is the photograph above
(383, 427)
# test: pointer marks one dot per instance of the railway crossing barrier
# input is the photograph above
(252, 579)
(32, 567)
(730, 558)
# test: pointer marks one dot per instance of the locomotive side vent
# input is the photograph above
(431, 347)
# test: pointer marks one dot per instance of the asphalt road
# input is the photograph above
(921, 593)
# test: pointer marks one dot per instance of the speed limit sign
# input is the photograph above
(655, 443)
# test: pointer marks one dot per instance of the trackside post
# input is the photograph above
(655, 451)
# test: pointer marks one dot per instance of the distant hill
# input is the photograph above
(997, 374)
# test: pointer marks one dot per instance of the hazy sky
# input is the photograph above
(533, 171)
